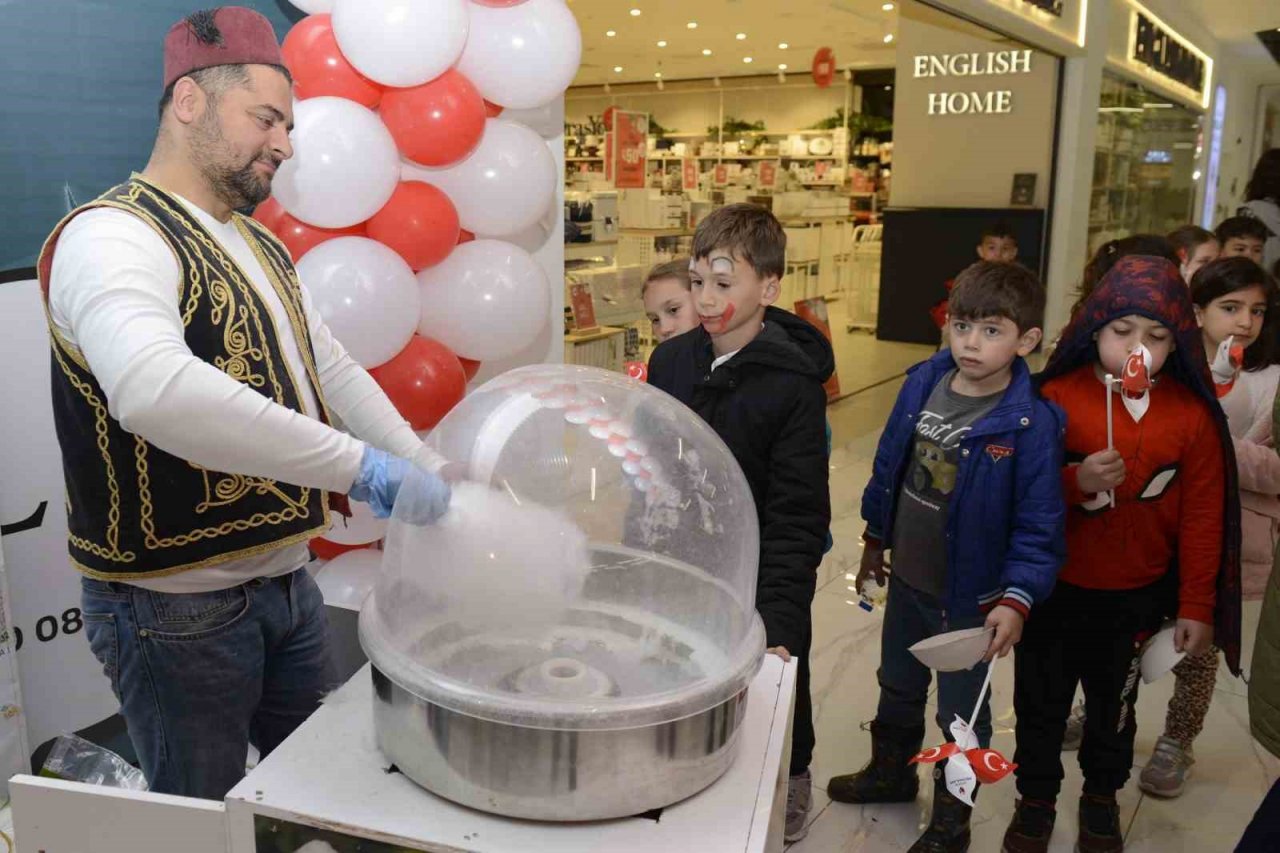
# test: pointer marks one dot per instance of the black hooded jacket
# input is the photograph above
(768, 405)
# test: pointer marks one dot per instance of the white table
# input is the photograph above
(329, 774)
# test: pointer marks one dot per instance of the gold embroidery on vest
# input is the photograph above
(104, 447)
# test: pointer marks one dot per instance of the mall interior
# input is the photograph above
(498, 291)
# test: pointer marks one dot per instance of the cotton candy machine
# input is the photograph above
(574, 640)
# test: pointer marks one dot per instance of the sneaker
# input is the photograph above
(887, 778)
(799, 801)
(1099, 825)
(1167, 772)
(1075, 729)
(1031, 827)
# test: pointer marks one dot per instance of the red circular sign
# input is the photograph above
(824, 67)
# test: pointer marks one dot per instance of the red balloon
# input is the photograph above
(318, 67)
(300, 238)
(269, 213)
(492, 110)
(326, 550)
(465, 236)
(419, 222)
(424, 381)
(437, 123)
(469, 367)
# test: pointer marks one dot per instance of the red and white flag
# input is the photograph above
(1226, 366)
(1135, 383)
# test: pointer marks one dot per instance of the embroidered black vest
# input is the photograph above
(135, 511)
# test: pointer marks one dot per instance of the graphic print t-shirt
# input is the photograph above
(920, 528)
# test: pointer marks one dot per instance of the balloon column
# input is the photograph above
(419, 183)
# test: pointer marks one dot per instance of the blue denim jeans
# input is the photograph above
(199, 676)
(909, 617)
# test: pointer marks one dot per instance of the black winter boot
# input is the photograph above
(887, 778)
(948, 830)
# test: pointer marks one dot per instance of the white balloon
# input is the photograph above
(360, 529)
(547, 120)
(314, 7)
(401, 42)
(521, 56)
(487, 300)
(505, 185)
(366, 294)
(531, 239)
(344, 166)
(347, 579)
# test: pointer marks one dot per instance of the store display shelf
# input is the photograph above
(584, 159)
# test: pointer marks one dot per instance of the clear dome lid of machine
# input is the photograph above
(596, 568)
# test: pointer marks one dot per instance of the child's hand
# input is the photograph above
(1008, 624)
(1192, 637)
(780, 651)
(872, 566)
(1101, 472)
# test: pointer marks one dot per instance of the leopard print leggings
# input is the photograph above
(1192, 692)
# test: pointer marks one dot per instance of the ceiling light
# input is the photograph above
(693, 25)
(782, 66)
(617, 69)
(635, 13)
(706, 51)
(888, 7)
(746, 59)
(662, 44)
(610, 33)
(658, 74)
(888, 38)
(783, 45)
(741, 37)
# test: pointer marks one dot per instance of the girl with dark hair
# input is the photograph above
(1234, 303)
(1195, 247)
(1262, 202)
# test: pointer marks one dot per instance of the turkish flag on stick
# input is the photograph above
(988, 765)
(934, 754)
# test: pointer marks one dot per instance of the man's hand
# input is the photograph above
(380, 480)
(1008, 624)
(1101, 472)
(1192, 637)
(872, 566)
(780, 651)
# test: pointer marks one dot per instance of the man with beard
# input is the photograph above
(194, 385)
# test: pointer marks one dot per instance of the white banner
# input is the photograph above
(63, 688)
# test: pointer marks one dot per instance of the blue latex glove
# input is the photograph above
(379, 481)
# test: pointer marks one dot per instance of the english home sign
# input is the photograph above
(971, 101)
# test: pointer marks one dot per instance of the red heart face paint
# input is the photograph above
(717, 325)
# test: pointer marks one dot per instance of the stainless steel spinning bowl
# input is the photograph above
(630, 700)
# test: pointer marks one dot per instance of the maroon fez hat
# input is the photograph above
(238, 36)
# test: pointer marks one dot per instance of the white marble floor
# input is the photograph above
(1231, 773)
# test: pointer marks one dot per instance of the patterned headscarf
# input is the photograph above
(1152, 287)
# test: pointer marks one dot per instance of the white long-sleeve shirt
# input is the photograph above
(113, 295)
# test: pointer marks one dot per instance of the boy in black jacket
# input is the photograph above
(755, 374)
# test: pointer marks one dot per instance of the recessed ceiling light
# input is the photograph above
(783, 45)
(888, 7)
(610, 33)
(693, 25)
(888, 38)
(782, 66)
(747, 59)
(617, 69)
(635, 13)
(658, 74)
(741, 36)
(662, 44)
(706, 51)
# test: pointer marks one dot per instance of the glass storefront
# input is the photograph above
(1146, 163)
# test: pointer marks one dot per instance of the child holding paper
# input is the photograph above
(965, 491)
(1172, 471)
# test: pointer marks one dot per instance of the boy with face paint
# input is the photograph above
(755, 374)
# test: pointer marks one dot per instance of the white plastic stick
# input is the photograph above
(1111, 438)
(982, 694)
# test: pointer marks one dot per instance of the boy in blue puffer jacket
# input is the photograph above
(966, 491)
